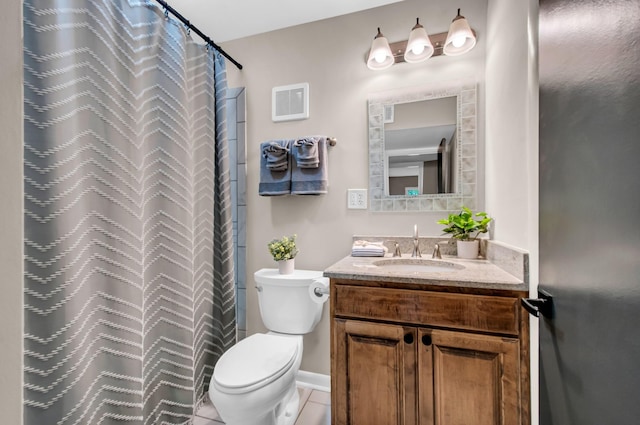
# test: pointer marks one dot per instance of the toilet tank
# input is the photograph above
(285, 303)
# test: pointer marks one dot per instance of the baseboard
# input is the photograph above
(316, 381)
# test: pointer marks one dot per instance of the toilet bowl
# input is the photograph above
(254, 382)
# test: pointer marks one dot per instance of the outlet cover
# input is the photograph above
(357, 199)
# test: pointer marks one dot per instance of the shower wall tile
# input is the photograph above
(242, 260)
(234, 201)
(240, 105)
(237, 159)
(235, 258)
(233, 158)
(231, 119)
(242, 184)
(241, 309)
(242, 225)
(241, 139)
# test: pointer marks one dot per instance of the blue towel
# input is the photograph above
(277, 154)
(274, 182)
(311, 181)
(306, 152)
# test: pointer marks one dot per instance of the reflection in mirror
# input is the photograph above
(422, 148)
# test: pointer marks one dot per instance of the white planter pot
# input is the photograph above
(468, 249)
(286, 266)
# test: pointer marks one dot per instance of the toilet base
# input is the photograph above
(285, 413)
(289, 412)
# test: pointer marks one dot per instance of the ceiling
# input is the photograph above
(224, 20)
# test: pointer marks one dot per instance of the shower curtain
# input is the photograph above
(129, 292)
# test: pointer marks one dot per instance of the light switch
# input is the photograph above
(357, 199)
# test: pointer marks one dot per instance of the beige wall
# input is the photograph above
(512, 139)
(329, 55)
(11, 213)
(509, 130)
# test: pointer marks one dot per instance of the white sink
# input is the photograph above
(406, 265)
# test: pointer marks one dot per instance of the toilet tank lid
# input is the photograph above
(254, 359)
(273, 277)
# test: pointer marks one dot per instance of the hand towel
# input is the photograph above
(368, 249)
(306, 152)
(274, 182)
(311, 181)
(277, 154)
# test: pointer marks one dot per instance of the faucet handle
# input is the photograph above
(396, 251)
(436, 252)
(436, 249)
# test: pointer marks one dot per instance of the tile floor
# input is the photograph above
(315, 409)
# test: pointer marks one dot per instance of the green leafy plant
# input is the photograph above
(283, 249)
(462, 226)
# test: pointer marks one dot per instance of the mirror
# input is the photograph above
(422, 149)
(420, 142)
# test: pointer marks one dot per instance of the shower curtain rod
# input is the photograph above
(197, 31)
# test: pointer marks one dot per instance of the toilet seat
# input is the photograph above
(254, 362)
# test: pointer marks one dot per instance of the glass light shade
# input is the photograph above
(419, 47)
(460, 38)
(380, 56)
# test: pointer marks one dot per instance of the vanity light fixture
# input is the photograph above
(421, 46)
(380, 56)
(460, 38)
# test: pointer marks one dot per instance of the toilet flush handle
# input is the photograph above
(258, 288)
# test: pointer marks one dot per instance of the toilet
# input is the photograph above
(254, 382)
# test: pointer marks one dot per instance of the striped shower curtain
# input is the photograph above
(129, 292)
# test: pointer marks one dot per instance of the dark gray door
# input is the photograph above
(590, 211)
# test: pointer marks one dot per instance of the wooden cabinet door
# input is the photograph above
(373, 369)
(467, 379)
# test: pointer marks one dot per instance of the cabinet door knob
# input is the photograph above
(426, 339)
(408, 338)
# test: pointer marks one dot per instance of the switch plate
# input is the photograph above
(357, 199)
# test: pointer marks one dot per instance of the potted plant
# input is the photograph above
(465, 229)
(284, 251)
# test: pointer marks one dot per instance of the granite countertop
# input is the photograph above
(473, 274)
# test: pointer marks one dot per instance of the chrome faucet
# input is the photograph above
(416, 243)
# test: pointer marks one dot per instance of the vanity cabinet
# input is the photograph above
(422, 355)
